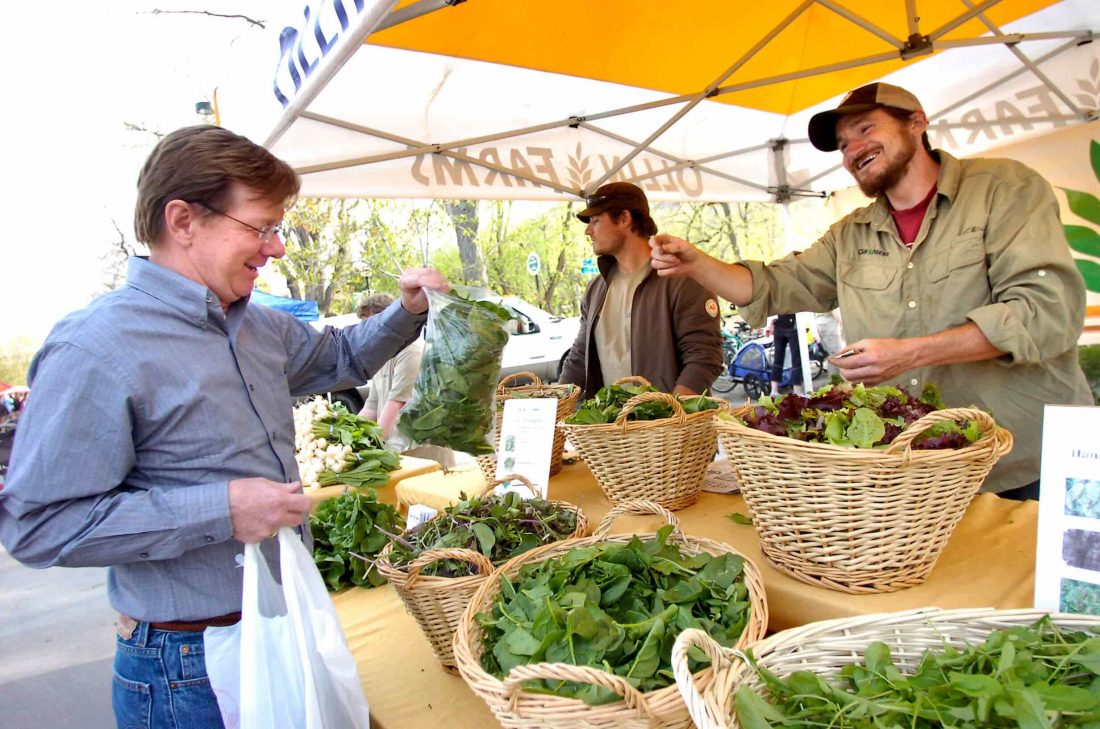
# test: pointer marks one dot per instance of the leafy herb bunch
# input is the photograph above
(499, 527)
(369, 462)
(615, 606)
(352, 523)
(452, 405)
(1036, 677)
(609, 400)
(863, 417)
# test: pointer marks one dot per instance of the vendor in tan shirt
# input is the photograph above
(958, 275)
(634, 322)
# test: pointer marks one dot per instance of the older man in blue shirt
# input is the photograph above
(160, 436)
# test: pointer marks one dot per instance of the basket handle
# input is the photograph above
(700, 712)
(633, 380)
(510, 477)
(503, 384)
(633, 698)
(477, 559)
(677, 408)
(985, 422)
(638, 506)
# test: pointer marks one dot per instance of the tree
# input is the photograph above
(322, 241)
(464, 217)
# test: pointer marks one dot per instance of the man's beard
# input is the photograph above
(894, 172)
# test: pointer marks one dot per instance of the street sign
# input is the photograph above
(588, 266)
(534, 265)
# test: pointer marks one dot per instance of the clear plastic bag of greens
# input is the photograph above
(452, 403)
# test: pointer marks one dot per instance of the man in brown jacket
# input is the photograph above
(634, 322)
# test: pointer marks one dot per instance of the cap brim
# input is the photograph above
(585, 215)
(822, 128)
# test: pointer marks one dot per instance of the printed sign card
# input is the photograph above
(1067, 556)
(526, 440)
(418, 514)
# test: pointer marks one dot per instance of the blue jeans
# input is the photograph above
(160, 681)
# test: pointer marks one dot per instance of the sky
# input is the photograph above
(80, 73)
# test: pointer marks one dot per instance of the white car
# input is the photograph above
(538, 343)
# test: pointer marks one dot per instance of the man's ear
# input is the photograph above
(919, 122)
(179, 221)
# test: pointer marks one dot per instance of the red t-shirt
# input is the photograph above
(908, 221)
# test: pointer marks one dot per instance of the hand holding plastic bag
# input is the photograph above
(452, 405)
(294, 665)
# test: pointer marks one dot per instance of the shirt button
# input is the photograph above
(274, 435)
(1042, 272)
(912, 305)
(209, 538)
(144, 555)
(209, 299)
(909, 265)
(252, 388)
(913, 382)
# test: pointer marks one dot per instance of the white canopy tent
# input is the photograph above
(361, 109)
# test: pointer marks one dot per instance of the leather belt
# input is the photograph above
(194, 626)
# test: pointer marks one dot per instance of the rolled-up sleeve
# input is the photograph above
(804, 281)
(1038, 295)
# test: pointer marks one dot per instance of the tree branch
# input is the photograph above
(252, 21)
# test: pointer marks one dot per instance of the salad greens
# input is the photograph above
(613, 606)
(353, 523)
(369, 462)
(1035, 677)
(609, 400)
(859, 416)
(452, 404)
(500, 527)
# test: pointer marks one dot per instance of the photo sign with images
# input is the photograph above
(1067, 555)
(526, 442)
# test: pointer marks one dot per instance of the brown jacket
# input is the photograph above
(674, 334)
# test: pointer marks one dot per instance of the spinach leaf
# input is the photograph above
(353, 522)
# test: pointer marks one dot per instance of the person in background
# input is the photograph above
(829, 334)
(957, 275)
(784, 339)
(160, 438)
(392, 385)
(634, 322)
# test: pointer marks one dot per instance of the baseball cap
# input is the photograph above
(618, 195)
(865, 98)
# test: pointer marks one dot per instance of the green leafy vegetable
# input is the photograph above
(352, 523)
(452, 404)
(739, 518)
(500, 527)
(609, 400)
(1028, 676)
(613, 606)
(369, 462)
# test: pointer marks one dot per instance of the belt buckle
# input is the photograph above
(125, 626)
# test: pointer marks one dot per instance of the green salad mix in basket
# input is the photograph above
(615, 606)
(1035, 676)
(858, 416)
(609, 400)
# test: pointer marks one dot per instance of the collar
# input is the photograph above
(606, 264)
(877, 214)
(192, 300)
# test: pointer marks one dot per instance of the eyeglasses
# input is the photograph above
(267, 233)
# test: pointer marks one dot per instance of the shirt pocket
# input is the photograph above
(869, 277)
(966, 259)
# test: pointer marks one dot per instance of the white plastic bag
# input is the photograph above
(295, 667)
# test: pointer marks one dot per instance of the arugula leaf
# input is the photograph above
(739, 518)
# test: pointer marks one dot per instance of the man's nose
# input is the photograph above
(275, 247)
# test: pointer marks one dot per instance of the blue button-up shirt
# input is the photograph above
(143, 407)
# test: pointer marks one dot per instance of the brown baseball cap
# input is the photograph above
(865, 98)
(615, 195)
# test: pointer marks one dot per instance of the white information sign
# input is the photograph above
(526, 440)
(1067, 555)
(418, 514)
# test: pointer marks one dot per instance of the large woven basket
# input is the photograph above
(566, 395)
(663, 461)
(859, 520)
(827, 646)
(437, 602)
(515, 708)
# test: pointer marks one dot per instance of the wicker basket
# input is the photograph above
(437, 602)
(566, 395)
(663, 461)
(827, 646)
(518, 709)
(859, 520)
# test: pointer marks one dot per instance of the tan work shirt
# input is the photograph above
(991, 250)
(613, 328)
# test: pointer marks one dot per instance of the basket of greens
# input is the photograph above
(566, 395)
(436, 566)
(579, 633)
(644, 444)
(859, 488)
(919, 668)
